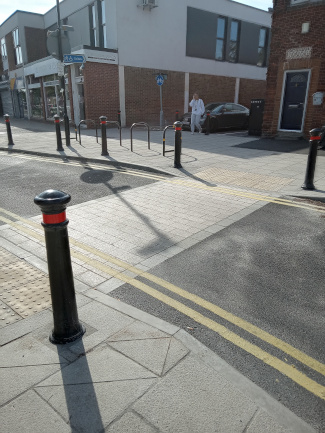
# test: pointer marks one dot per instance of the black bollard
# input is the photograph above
(67, 129)
(178, 144)
(207, 130)
(315, 137)
(103, 120)
(67, 327)
(7, 120)
(176, 116)
(58, 133)
(119, 117)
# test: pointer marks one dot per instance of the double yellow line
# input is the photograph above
(28, 227)
(185, 182)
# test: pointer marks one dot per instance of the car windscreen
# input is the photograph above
(212, 106)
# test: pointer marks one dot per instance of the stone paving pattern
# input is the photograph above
(132, 371)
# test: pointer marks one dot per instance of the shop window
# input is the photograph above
(262, 44)
(18, 52)
(233, 41)
(35, 98)
(220, 43)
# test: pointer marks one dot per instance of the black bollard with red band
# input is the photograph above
(178, 144)
(119, 117)
(177, 116)
(103, 120)
(7, 120)
(207, 129)
(315, 137)
(67, 327)
(58, 133)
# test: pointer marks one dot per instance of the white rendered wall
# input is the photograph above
(157, 38)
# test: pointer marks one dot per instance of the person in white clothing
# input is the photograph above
(197, 111)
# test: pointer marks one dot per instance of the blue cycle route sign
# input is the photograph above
(160, 80)
(74, 58)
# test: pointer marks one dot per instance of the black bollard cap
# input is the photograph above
(315, 132)
(178, 126)
(52, 201)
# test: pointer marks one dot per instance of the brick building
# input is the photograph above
(217, 48)
(296, 72)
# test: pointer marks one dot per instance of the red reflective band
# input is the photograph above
(316, 138)
(56, 121)
(7, 120)
(54, 219)
(103, 123)
(178, 128)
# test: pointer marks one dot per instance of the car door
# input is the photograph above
(226, 116)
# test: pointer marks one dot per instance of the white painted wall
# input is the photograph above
(157, 38)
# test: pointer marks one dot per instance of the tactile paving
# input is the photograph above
(6, 258)
(244, 179)
(29, 298)
(7, 315)
(17, 273)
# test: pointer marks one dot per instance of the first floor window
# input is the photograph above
(18, 53)
(233, 42)
(220, 43)
(262, 47)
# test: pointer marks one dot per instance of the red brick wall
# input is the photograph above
(142, 95)
(35, 51)
(212, 88)
(101, 91)
(251, 89)
(286, 34)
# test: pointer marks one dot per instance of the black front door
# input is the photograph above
(294, 100)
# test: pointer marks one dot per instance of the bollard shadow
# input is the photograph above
(80, 394)
(192, 176)
(162, 241)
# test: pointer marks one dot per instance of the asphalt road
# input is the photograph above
(22, 179)
(268, 269)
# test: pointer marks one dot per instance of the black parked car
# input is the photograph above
(223, 115)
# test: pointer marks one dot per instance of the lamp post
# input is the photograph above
(65, 115)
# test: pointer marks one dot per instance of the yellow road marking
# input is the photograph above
(286, 369)
(231, 318)
(186, 183)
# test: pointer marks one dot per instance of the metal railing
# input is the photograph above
(140, 124)
(164, 140)
(85, 122)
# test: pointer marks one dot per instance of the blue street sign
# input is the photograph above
(160, 80)
(74, 58)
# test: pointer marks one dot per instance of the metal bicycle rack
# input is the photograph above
(85, 122)
(113, 122)
(140, 124)
(164, 140)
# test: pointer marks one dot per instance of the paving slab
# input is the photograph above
(29, 413)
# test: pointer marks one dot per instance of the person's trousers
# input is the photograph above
(195, 122)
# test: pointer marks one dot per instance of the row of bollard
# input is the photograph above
(316, 135)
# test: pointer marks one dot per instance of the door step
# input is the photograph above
(283, 135)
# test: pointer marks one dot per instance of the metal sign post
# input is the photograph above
(160, 82)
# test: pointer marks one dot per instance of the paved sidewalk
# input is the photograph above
(131, 372)
(215, 159)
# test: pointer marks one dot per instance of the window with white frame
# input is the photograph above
(18, 52)
(103, 23)
(221, 36)
(3, 48)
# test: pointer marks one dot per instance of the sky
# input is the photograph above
(8, 7)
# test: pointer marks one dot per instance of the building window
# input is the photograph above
(233, 42)
(262, 47)
(220, 43)
(93, 25)
(103, 23)
(18, 53)
(3, 48)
